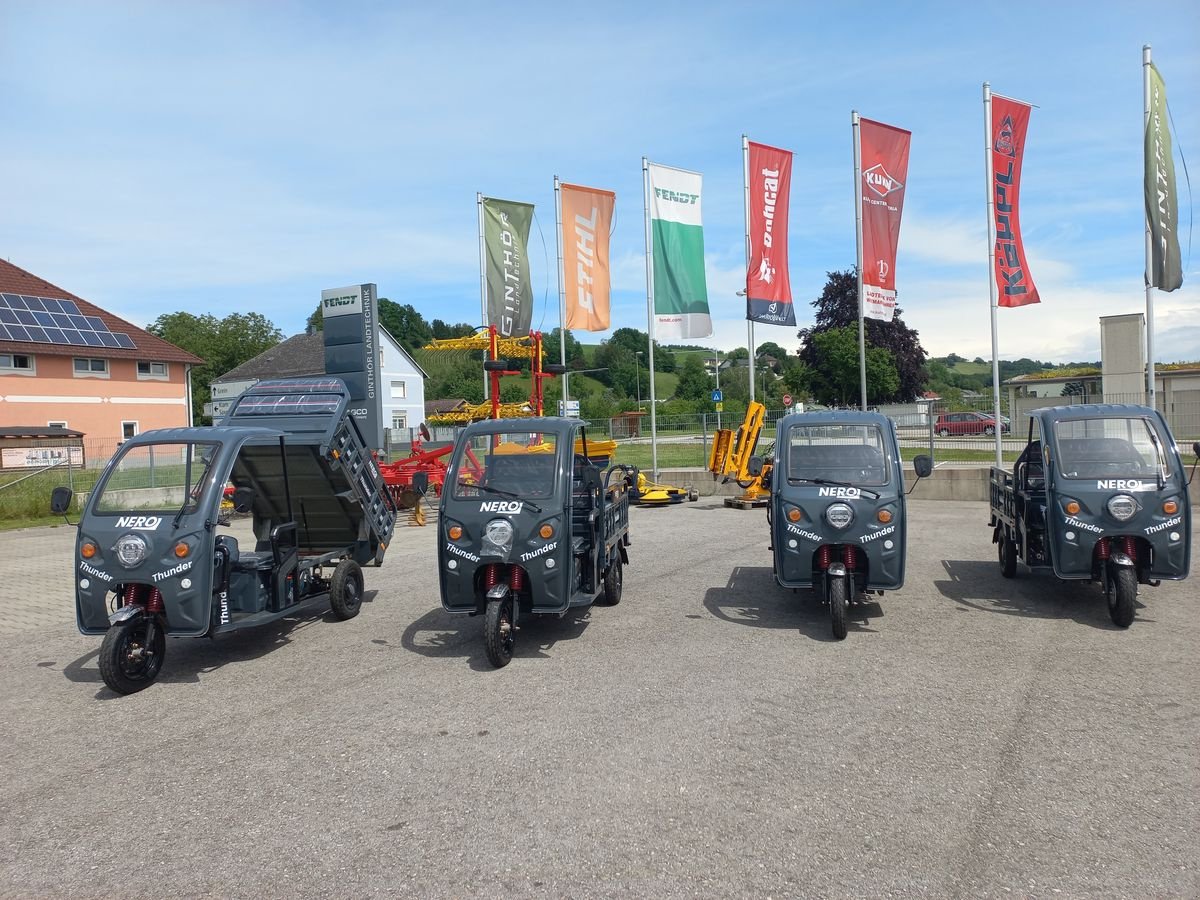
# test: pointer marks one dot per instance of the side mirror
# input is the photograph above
(767, 478)
(60, 500)
(923, 466)
(243, 499)
(754, 466)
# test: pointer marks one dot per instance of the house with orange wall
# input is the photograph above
(59, 368)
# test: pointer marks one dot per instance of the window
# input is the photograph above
(56, 424)
(399, 390)
(16, 362)
(151, 370)
(128, 430)
(93, 368)
(399, 421)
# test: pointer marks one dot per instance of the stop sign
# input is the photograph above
(787, 399)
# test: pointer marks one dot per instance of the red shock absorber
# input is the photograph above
(154, 603)
(824, 555)
(516, 579)
(135, 594)
(1130, 546)
(850, 556)
(1102, 549)
(491, 575)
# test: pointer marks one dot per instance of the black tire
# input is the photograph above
(499, 635)
(127, 665)
(944, 432)
(1007, 551)
(839, 599)
(613, 582)
(1121, 596)
(346, 590)
(989, 430)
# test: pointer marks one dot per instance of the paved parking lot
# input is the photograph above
(972, 737)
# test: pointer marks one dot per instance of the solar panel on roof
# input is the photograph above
(124, 340)
(46, 320)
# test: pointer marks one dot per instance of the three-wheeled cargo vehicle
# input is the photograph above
(528, 526)
(150, 563)
(837, 510)
(1098, 494)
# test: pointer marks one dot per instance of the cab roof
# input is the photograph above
(836, 417)
(556, 425)
(1093, 411)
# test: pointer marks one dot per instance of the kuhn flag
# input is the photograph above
(1014, 284)
(680, 293)
(505, 239)
(883, 155)
(768, 288)
(586, 223)
(1162, 204)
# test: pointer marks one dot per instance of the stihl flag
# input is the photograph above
(768, 287)
(1014, 284)
(883, 155)
(586, 223)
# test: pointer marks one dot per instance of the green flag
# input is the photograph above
(1162, 204)
(680, 292)
(505, 238)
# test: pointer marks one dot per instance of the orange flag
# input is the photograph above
(586, 222)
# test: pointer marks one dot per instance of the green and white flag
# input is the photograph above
(679, 292)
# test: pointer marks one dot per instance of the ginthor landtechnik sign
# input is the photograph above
(351, 317)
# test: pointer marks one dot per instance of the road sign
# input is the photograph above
(717, 396)
(787, 399)
(720, 406)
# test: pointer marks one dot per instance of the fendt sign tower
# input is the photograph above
(352, 353)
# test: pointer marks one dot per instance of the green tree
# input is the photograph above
(575, 357)
(835, 381)
(443, 331)
(694, 382)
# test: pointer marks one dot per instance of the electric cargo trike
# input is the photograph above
(837, 510)
(150, 563)
(529, 526)
(1098, 494)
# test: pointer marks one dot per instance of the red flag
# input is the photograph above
(883, 154)
(1014, 284)
(768, 287)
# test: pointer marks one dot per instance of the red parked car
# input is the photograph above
(967, 423)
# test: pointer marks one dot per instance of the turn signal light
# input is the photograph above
(1170, 507)
(794, 515)
(336, 454)
(1072, 508)
(87, 550)
(546, 532)
(455, 532)
(884, 516)
(181, 550)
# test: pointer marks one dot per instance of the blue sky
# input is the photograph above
(232, 157)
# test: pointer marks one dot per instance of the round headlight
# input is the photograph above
(1122, 507)
(499, 531)
(130, 550)
(839, 515)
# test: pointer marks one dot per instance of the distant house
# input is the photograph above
(437, 407)
(68, 364)
(402, 381)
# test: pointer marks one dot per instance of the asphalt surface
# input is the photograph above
(971, 737)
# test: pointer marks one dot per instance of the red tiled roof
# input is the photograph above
(15, 280)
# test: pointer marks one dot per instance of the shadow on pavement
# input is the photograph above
(752, 597)
(980, 586)
(438, 634)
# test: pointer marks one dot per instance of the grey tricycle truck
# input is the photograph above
(150, 563)
(1098, 494)
(529, 526)
(837, 510)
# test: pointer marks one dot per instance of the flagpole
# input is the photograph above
(993, 294)
(562, 292)
(482, 279)
(858, 226)
(1150, 399)
(650, 318)
(746, 197)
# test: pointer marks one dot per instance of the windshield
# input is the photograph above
(508, 464)
(1108, 448)
(166, 477)
(853, 454)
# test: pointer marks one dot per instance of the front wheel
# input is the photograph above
(613, 581)
(499, 632)
(944, 432)
(989, 430)
(346, 589)
(130, 657)
(1121, 594)
(839, 599)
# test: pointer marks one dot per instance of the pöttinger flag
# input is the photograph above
(1162, 203)
(586, 223)
(768, 287)
(680, 293)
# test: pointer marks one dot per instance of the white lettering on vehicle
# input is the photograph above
(846, 493)
(1123, 484)
(92, 570)
(174, 570)
(1086, 526)
(807, 535)
(145, 523)
(1163, 526)
(867, 538)
(459, 551)
(540, 551)
(508, 507)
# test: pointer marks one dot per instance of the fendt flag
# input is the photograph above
(1162, 204)
(883, 153)
(1010, 121)
(768, 287)
(680, 293)
(586, 224)
(509, 292)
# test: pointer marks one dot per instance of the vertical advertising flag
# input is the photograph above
(883, 151)
(1014, 284)
(1162, 203)
(768, 287)
(680, 293)
(586, 224)
(509, 292)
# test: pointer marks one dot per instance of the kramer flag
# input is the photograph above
(1162, 204)
(505, 238)
(768, 287)
(1010, 121)
(680, 294)
(586, 223)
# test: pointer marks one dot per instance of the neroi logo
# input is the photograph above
(507, 507)
(846, 493)
(1123, 484)
(146, 523)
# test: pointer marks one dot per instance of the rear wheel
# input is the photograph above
(1122, 593)
(499, 632)
(839, 599)
(613, 581)
(128, 662)
(346, 589)
(989, 430)
(1008, 555)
